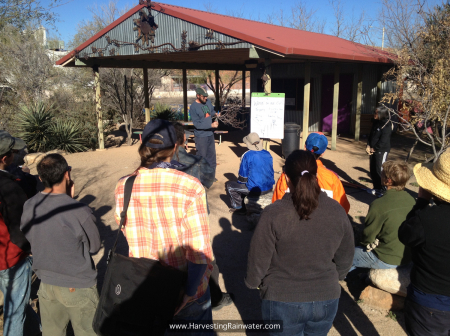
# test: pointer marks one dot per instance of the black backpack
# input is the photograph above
(139, 295)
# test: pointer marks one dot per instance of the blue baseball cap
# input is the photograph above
(316, 143)
(162, 130)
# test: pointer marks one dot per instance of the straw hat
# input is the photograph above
(435, 178)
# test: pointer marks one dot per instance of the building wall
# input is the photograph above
(371, 76)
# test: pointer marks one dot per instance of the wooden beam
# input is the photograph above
(335, 106)
(267, 90)
(243, 88)
(146, 96)
(359, 103)
(129, 63)
(217, 86)
(307, 96)
(98, 108)
(185, 104)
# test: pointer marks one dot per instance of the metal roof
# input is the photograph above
(287, 42)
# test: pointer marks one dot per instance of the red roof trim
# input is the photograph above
(372, 55)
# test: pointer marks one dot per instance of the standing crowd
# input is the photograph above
(302, 246)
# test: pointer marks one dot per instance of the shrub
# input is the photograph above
(42, 132)
(34, 123)
(67, 136)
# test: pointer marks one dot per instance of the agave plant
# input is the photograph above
(67, 136)
(34, 123)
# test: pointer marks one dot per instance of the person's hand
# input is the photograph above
(215, 124)
(186, 299)
(368, 150)
(424, 194)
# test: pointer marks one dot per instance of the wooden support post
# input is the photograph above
(380, 75)
(267, 90)
(358, 103)
(146, 96)
(217, 103)
(307, 96)
(98, 108)
(185, 104)
(335, 106)
(243, 89)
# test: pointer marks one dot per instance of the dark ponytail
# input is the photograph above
(301, 168)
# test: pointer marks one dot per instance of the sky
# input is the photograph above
(74, 11)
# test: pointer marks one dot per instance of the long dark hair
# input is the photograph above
(301, 168)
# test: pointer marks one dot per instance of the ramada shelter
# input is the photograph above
(330, 84)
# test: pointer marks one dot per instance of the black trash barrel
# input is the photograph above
(291, 140)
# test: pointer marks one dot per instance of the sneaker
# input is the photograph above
(226, 301)
(240, 211)
(376, 192)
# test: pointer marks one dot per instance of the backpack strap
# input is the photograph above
(123, 215)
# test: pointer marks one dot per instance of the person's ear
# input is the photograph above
(67, 175)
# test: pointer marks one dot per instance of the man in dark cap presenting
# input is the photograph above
(202, 112)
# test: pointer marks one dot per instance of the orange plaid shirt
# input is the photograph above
(167, 220)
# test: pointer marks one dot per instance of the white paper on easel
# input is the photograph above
(267, 115)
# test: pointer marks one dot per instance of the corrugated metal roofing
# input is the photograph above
(168, 34)
(283, 40)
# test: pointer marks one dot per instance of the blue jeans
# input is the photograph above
(15, 283)
(196, 311)
(365, 259)
(301, 318)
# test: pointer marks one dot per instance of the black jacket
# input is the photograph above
(380, 136)
(12, 199)
(426, 231)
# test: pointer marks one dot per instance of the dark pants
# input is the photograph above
(236, 191)
(214, 288)
(206, 147)
(423, 321)
(376, 162)
(301, 318)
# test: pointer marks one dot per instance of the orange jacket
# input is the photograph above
(328, 182)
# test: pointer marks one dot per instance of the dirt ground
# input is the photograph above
(96, 173)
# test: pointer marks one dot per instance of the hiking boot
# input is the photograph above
(226, 301)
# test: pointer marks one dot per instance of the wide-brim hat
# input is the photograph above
(253, 142)
(435, 178)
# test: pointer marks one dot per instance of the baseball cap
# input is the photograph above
(161, 130)
(316, 143)
(201, 92)
(7, 143)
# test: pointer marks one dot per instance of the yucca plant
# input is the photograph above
(67, 136)
(33, 124)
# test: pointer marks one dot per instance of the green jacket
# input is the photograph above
(385, 216)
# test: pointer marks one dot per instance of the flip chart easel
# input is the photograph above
(267, 115)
